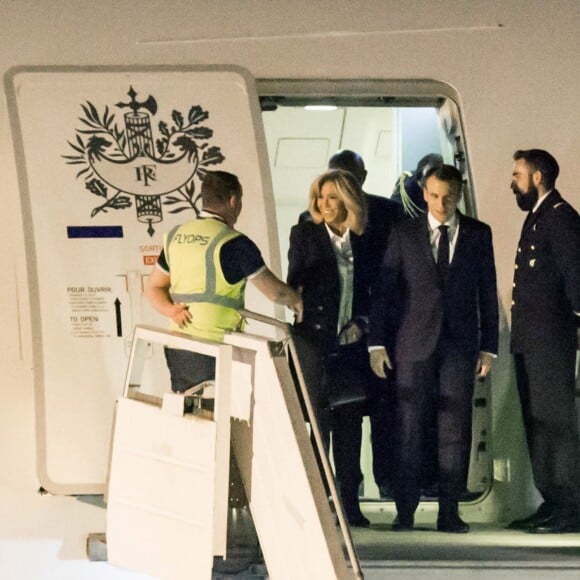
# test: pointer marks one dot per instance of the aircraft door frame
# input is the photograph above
(341, 93)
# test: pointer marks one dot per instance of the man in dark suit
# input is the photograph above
(408, 191)
(440, 269)
(545, 319)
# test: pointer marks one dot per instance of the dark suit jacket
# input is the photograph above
(383, 214)
(468, 309)
(547, 278)
(312, 265)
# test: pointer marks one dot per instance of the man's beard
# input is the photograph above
(526, 200)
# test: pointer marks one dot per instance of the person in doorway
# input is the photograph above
(441, 270)
(544, 339)
(408, 190)
(329, 261)
(200, 277)
(382, 215)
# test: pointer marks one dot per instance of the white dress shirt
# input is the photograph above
(345, 260)
(434, 234)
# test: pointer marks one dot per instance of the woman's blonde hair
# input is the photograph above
(350, 193)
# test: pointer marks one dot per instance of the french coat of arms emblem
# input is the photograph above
(131, 164)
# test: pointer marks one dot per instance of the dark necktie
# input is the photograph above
(443, 252)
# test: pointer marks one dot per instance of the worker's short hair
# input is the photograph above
(218, 186)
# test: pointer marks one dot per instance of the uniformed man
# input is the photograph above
(200, 278)
(545, 318)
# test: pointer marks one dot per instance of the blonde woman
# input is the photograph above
(329, 262)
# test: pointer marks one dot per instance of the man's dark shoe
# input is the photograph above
(359, 521)
(402, 524)
(352, 511)
(543, 513)
(354, 516)
(451, 523)
(557, 524)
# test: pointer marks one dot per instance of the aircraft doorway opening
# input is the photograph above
(391, 133)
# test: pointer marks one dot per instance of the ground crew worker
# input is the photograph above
(200, 278)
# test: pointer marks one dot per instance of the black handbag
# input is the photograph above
(348, 375)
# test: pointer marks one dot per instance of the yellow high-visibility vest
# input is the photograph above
(192, 251)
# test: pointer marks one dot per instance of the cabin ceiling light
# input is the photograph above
(320, 108)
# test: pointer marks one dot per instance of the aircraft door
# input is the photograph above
(108, 161)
